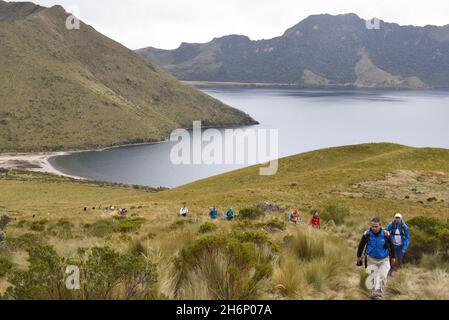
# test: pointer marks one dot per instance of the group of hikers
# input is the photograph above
(213, 213)
(315, 221)
(229, 214)
(382, 251)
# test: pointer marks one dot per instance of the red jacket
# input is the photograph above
(315, 222)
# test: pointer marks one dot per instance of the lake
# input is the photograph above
(305, 119)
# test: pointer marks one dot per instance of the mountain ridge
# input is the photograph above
(321, 50)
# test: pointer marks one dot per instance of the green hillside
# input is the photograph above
(66, 89)
(348, 185)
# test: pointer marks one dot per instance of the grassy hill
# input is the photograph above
(277, 260)
(66, 89)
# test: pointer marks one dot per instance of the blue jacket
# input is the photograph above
(405, 235)
(213, 213)
(230, 214)
(377, 246)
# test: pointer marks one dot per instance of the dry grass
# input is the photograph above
(315, 264)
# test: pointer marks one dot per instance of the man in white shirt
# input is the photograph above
(400, 235)
(184, 211)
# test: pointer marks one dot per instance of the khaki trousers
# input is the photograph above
(381, 269)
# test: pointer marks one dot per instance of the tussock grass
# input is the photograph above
(412, 283)
(275, 259)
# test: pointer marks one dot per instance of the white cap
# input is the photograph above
(398, 215)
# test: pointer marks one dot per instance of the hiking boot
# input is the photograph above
(377, 295)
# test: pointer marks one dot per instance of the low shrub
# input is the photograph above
(5, 265)
(38, 225)
(130, 224)
(428, 236)
(104, 274)
(251, 213)
(42, 280)
(208, 227)
(25, 241)
(107, 274)
(100, 228)
(335, 213)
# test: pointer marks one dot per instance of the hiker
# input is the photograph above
(377, 247)
(398, 230)
(184, 211)
(213, 213)
(229, 214)
(295, 217)
(315, 222)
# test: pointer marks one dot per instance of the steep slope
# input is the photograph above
(321, 50)
(77, 89)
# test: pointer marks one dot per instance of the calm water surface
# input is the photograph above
(306, 120)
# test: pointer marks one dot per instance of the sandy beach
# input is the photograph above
(37, 162)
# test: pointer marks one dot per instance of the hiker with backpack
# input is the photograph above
(213, 213)
(295, 217)
(377, 247)
(229, 214)
(400, 236)
(315, 222)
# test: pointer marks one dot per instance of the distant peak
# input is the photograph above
(233, 38)
(327, 20)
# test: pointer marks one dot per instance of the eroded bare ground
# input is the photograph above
(423, 187)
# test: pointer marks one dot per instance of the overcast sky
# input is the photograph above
(167, 23)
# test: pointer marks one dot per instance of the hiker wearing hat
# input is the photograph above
(377, 248)
(398, 230)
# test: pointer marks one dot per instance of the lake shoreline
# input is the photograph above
(41, 161)
(34, 162)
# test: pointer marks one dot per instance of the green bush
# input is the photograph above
(101, 228)
(44, 278)
(38, 225)
(4, 221)
(65, 224)
(429, 225)
(106, 270)
(251, 213)
(104, 274)
(25, 241)
(130, 225)
(5, 265)
(208, 227)
(335, 213)
(428, 236)
(62, 228)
